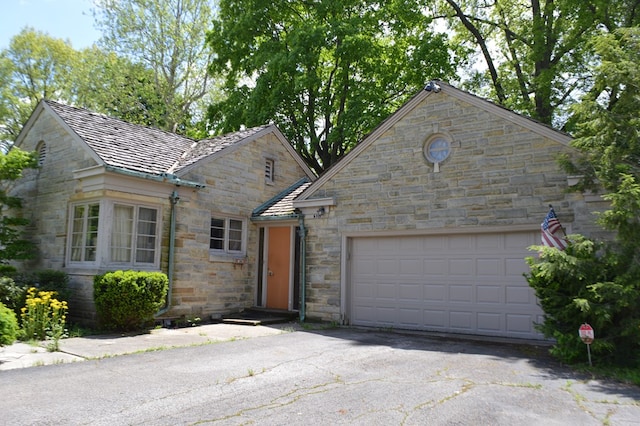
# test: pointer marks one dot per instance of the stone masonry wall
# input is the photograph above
(210, 285)
(499, 174)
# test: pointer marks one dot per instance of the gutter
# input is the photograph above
(163, 177)
(303, 267)
(172, 245)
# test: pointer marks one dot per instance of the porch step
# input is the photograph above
(260, 316)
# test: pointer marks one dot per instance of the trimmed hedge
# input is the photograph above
(8, 325)
(127, 300)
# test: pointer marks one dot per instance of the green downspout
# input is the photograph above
(172, 244)
(303, 267)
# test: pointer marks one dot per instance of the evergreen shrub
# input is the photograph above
(128, 300)
(588, 283)
(8, 325)
(12, 295)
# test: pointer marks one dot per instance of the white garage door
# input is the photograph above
(469, 283)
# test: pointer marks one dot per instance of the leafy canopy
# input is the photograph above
(326, 72)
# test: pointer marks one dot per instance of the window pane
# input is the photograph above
(84, 232)
(121, 234)
(146, 240)
(217, 234)
(235, 235)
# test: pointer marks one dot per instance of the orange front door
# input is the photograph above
(278, 267)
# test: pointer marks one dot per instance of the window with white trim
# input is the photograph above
(84, 232)
(112, 233)
(228, 235)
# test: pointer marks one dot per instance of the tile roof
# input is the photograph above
(139, 148)
(282, 204)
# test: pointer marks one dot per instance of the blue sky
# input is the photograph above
(66, 19)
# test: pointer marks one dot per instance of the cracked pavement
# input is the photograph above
(323, 377)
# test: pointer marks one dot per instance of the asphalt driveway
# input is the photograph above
(336, 376)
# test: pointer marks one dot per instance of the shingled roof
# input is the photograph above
(282, 204)
(138, 148)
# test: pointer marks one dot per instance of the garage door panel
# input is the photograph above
(434, 267)
(461, 267)
(461, 293)
(490, 267)
(456, 283)
(489, 294)
(515, 266)
(410, 292)
(520, 295)
(522, 324)
(461, 321)
(435, 293)
(490, 322)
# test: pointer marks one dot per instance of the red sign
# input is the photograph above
(586, 333)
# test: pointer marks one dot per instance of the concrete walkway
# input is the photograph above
(76, 349)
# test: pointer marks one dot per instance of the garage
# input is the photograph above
(452, 283)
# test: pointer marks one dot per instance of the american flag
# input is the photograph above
(550, 226)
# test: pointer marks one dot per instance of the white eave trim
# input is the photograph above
(314, 202)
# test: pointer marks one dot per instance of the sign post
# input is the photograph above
(587, 335)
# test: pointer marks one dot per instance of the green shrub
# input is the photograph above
(8, 325)
(12, 295)
(46, 280)
(127, 300)
(588, 283)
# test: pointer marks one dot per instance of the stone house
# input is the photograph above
(111, 195)
(424, 225)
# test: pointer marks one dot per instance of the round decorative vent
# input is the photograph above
(436, 150)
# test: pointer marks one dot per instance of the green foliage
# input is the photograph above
(45, 280)
(167, 39)
(326, 72)
(582, 284)
(44, 317)
(12, 245)
(33, 67)
(8, 325)
(599, 283)
(12, 295)
(127, 300)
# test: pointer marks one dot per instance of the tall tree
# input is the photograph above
(593, 281)
(534, 52)
(33, 67)
(166, 36)
(37, 66)
(115, 86)
(326, 71)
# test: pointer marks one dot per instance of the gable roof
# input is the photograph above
(134, 148)
(433, 88)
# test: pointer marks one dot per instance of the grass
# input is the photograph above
(621, 374)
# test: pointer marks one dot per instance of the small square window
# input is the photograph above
(227, 235)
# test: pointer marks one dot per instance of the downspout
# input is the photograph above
(172, 237)
(303, 267)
